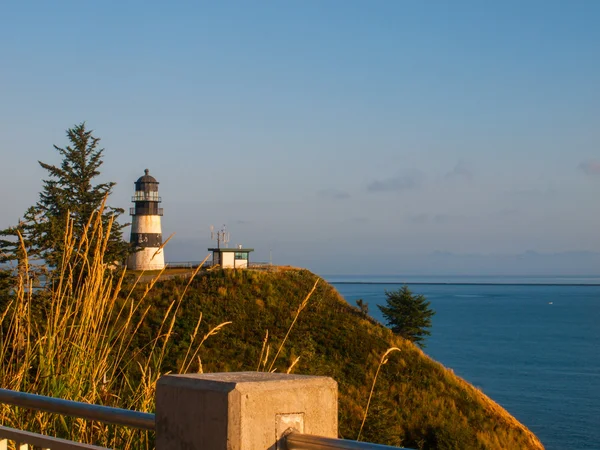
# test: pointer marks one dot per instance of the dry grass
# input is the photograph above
(81, 349)
(384, 359)
(79, 345)
(298, 311)
(500, 412)
(414, 401)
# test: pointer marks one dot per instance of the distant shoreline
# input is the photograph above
(458, 283)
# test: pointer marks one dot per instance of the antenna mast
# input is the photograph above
(221, 236)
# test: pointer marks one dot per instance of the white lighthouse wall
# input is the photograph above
(147, 259)
(146, 224)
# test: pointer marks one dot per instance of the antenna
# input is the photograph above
(221, 236)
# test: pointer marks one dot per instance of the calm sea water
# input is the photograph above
(533, 348)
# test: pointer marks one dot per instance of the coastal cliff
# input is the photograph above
(416, 402)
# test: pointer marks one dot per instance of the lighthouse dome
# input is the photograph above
(146, 183)
(146, 178)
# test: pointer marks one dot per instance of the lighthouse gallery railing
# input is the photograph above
(141, 196)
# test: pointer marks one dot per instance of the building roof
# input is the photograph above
(228, 250)
(146, 178)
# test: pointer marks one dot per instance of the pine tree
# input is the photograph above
(363, 307)
(408, 315)
(5, 285)
(68, 193)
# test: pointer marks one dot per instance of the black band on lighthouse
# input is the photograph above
(146, 239)
(147, 209)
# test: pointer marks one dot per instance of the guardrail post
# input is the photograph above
(241, 411)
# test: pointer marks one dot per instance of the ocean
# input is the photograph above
(531, 344)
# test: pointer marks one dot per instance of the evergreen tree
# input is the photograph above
(67, 194)
(408, 315)
(5, 285)
(363, 307)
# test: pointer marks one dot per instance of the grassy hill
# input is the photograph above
(416, 401)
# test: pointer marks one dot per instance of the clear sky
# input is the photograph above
(344, 136)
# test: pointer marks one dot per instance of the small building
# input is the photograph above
(231, 258)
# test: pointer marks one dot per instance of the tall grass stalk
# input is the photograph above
(293, 364)
(298, 311)
(384, 359)
(186, 365)
(262, 350)
(73, 339)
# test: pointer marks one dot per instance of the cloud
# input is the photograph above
(533, 194)
(419, 219)
(507, 212)
(442, 219)
(333, 194)
(460, 171)
(399, 183)
(445, 219)
(437, 219)
(591, 167)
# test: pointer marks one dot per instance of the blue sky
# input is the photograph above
(344, 136)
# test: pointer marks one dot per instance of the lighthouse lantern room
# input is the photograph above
(146, 232)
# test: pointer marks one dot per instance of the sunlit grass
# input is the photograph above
(384, 359)
(408, 398)
(79, 347)
(100, 336)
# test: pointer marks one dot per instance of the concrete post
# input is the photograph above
(241, 411)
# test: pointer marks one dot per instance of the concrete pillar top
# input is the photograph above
(241, 410)
(246, 381)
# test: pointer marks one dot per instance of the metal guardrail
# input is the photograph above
(260, 265)
(186, 264)
(134, 419)
(209, 263)
(106, 414)
(40, 441)
(299, 441)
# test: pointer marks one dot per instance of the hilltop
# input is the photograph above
(417, 402)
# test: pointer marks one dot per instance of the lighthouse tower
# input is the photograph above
(146, 233)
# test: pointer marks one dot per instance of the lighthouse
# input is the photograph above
(146, 232)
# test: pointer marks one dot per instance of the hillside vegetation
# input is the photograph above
(98, 335)
(416, 401)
